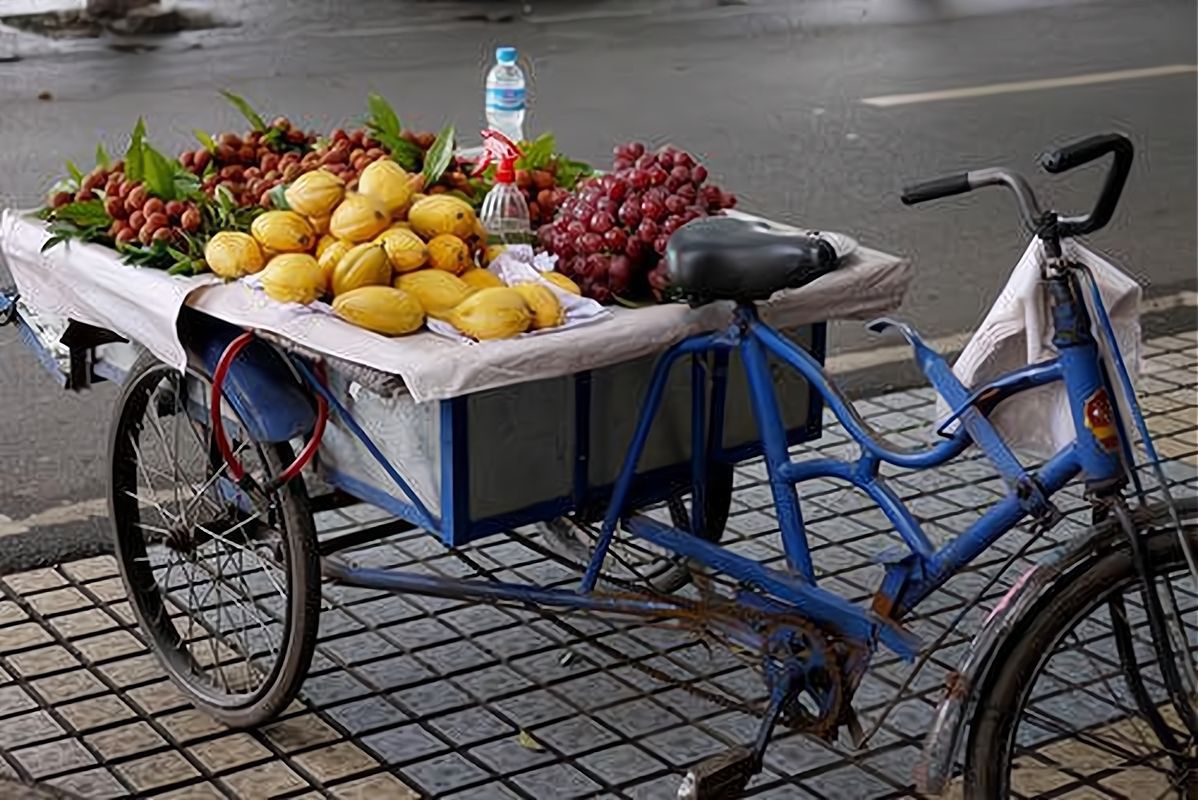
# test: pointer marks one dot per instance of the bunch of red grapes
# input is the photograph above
(610, 235)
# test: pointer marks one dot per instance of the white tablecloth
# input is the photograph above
(89, 283)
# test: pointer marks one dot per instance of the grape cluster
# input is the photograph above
(610, 234)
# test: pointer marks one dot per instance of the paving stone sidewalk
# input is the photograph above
(416, 697)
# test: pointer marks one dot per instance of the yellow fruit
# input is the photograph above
(293, 278)
(331, 257)
(364, 265)
(382, 309)
(562, 282)
(359, 218)
(478, 238)
(480, 279)
(324, 242)
(283, 232)
(547, 312)
(440, 214)
(232, 255)
(437, 291)
(449, 253)
(315, 194)
(497, 313)
(492, 252)
(387, 182)
(399, 225)
(405, 249)
(320, 225)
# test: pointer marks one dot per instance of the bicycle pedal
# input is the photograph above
(719, 777)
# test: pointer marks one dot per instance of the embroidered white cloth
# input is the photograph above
(89, 283)
(1018, 331)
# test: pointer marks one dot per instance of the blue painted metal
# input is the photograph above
(455, 472)
(777, 456)
(843, 410)
(423, 518)
(617, 505)
(8, 306)
(259, 384)
(988, 396)
(1002, 517)
(438, 586)
(1084, 378)
(873, 485)
(810, 601)
(376, 497)
(1127, 388)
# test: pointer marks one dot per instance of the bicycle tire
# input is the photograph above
(1030, 647)
(669, 573)
(176, 649)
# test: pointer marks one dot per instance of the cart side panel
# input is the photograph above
(521, 446)
(616, 399)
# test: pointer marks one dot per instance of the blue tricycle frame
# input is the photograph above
(276, 408)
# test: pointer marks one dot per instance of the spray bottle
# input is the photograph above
(505, 211)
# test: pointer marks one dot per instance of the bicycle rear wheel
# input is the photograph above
(225, 586)
(1068, 710)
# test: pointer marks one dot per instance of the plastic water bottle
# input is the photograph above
(505, 95)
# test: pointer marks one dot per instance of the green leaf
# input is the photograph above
(224, 199)
(84, 214)
(53, 241)
(102, 159)
(159, 174)
(538, 154)
(439, 156)
(76, 175)
(245, 108)
(134, 163)
(569, 173)
(186, 186)
(403, 152)
(203, 138)
(382, 116)
(278, 198)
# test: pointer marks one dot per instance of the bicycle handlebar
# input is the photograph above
(1060, 160)
(1083, 152)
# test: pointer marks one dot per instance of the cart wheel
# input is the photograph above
(637, 561)
(225, 586)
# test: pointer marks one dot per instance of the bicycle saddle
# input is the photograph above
(727, 258)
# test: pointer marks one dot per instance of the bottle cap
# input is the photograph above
(497, 147)
(505, 55)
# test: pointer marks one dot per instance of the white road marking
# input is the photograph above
(59, 515)
(890, 100)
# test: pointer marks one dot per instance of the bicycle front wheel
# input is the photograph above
(225, 585)
(1078, 704)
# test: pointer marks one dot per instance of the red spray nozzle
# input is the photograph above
(497, 147)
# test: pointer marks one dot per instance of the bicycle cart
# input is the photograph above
(235, 424)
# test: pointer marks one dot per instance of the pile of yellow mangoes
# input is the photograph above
(386, 255)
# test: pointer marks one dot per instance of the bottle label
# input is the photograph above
(505, 99)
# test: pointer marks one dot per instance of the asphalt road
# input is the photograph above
(774, 106)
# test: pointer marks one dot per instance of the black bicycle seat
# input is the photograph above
(727, 258)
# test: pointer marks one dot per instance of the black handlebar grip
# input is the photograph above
(1087, 150)
(1083, 152)
(936, 188)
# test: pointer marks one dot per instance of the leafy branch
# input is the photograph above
(384, 125)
